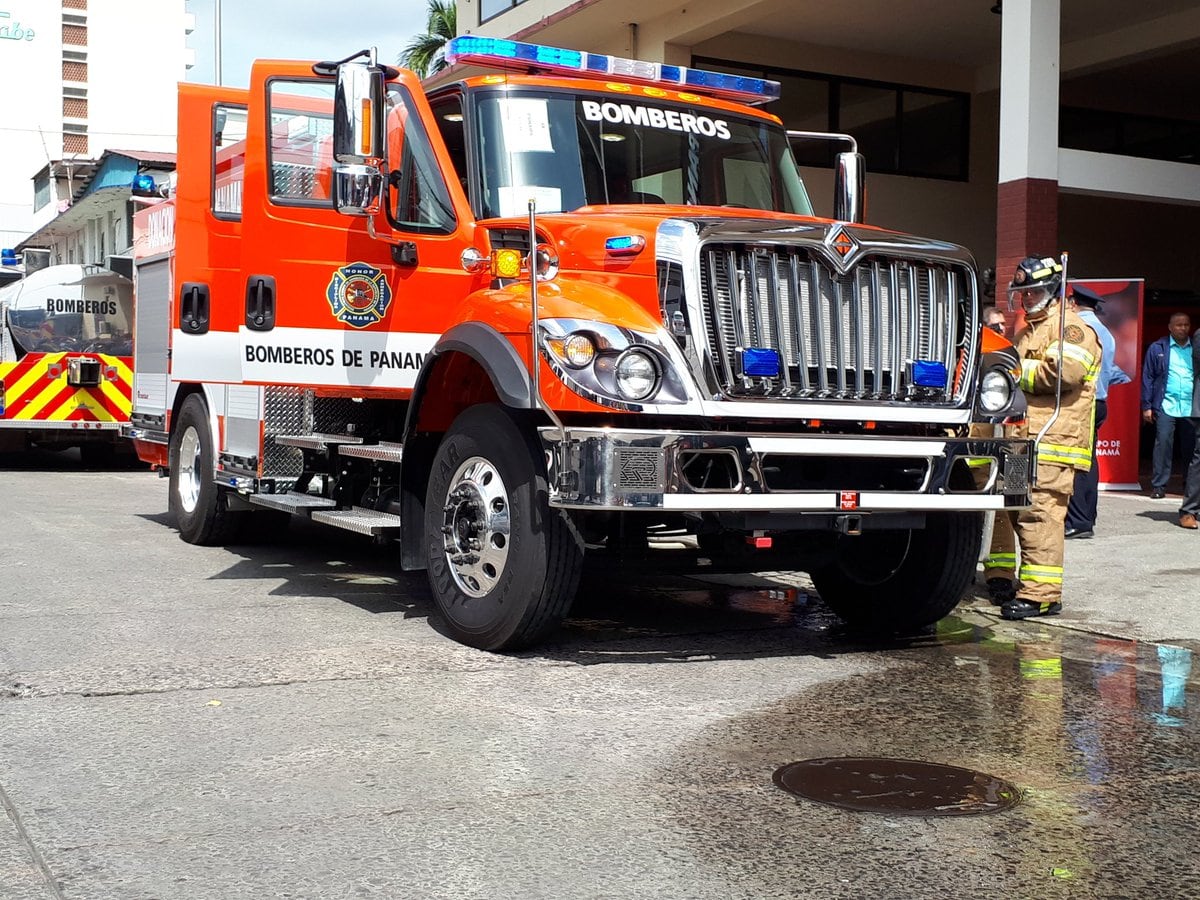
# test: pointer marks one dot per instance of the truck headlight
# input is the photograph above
(995, 391)
(637, 374)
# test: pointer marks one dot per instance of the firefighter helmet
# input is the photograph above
(1036, 282)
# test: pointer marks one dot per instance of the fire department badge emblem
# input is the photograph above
(359, 295)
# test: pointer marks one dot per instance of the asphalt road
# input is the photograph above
(285, 719)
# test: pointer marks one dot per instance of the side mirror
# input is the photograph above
(357, 190)
(358, 115)
(358, 139)
(849, 176)
(849, 187)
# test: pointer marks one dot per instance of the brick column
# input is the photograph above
(1026, 224)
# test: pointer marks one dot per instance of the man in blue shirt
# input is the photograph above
(1167, 377)
(1191, 489)
(1081, 511)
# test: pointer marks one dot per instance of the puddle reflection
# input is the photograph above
(1099, 733)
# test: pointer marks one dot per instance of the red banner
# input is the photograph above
(1117, 445)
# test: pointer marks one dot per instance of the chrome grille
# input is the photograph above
(850, 335)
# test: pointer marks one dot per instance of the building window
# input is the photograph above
(901, 129)
(41, 190)
(489, 9)
(1143, 137)
(74, 20)
(75, 144)
(74, 35)
(74, 71)
(74, 4)
(75, 107)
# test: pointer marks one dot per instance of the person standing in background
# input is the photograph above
(1190, 509)
(1167, 377)
(1081, 511)
(993, 318)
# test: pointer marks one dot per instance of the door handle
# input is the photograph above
(260, 302)
(194, 307)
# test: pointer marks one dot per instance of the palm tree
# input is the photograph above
(425, 55)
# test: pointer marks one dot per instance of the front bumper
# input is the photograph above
(605, 469)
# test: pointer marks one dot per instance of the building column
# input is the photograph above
(1027, 193)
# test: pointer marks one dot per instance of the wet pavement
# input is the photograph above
(285, 720)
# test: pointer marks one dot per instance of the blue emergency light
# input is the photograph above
(760, 362)
(625, 245)
(929, 373)
(8, 257)
(498, 53)
(143, 183)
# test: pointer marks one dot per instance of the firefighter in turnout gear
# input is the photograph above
(1066, 446)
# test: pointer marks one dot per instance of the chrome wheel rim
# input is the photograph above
(476, 527)
(188, 481)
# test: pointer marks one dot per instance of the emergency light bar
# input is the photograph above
(497, 53)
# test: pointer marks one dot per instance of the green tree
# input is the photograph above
(425, 55)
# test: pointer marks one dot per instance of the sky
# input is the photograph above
(297, 29)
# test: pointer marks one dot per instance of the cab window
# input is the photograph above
(300, 142)
(229, 160)
(417, 196)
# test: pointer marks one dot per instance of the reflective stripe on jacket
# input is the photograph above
(1069, 440)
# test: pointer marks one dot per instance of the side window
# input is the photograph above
(448, 113)
(229, 160)
(300, 142)
(418, 198)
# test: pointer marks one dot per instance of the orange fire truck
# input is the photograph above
(553, 308)
(66, 360)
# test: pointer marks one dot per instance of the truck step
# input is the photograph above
(359, 520)
(292, 503)
(316, 441)
(384, 451)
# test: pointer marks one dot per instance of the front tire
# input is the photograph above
(201, 509)
(503, 566)
(897, 581)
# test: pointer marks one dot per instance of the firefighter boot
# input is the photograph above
(1017, 608)
(1001, 591)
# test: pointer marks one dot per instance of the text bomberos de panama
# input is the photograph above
(653, 117)
(323, 356)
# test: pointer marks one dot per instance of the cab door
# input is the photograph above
(328, 303)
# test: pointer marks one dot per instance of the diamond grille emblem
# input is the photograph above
(843, 243)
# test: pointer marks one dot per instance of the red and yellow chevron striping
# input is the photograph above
(36, 389)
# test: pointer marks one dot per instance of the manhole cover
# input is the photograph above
(901, 787)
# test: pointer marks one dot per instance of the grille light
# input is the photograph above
(503, 54)
(930, 373)
(760, 362)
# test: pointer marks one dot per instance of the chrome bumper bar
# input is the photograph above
(603, 469)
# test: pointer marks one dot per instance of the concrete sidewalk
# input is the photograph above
(1139, 577)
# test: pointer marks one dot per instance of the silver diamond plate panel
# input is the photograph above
(359, 520)
(384, 451)
(291, 502)
(286, 410)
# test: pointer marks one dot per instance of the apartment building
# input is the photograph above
(83, 77)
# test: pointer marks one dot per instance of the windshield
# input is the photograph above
(571, 150)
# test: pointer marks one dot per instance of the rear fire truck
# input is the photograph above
(66, 360)
(558, 307)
